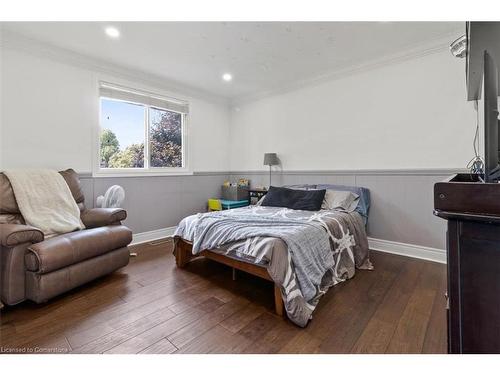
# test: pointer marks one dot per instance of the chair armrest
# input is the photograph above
(14, 234)
(100, 217)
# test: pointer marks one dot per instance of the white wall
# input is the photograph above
(50, 110)
(412, 114)
(407, 115)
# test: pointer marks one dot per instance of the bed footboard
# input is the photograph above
(183, 255)
(182, 252)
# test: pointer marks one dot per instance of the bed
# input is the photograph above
(303, 252)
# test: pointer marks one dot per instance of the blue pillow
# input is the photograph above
(309, 200)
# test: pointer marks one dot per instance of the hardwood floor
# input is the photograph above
(153, 307)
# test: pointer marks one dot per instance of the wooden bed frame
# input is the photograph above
(183, 254)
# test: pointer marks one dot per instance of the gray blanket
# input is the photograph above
(305, 252)
(307, 242)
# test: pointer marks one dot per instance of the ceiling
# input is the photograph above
(261, 56)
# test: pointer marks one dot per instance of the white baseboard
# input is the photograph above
(152, 235)
(405, 249)
(409, 250)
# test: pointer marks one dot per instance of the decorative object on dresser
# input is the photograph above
(472, 209)
(271, 159)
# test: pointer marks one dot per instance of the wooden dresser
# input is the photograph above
(472, 209)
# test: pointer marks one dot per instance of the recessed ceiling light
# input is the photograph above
(112, 32)
(227, 77)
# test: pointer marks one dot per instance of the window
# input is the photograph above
(141, 132)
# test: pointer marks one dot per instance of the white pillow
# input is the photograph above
(336, 199)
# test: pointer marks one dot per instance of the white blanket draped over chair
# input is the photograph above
(45, 200)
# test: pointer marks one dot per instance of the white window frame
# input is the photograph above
(98, 171)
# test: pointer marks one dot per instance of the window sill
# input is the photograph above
(149, 173)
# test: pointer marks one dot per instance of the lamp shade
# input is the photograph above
(271, 159)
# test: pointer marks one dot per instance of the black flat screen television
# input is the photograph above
(491, 122)
(483, 57)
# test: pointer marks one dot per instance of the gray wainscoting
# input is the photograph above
(157, 202)
(401, 210)
(401, 200)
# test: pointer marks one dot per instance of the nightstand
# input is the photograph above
(254, 195)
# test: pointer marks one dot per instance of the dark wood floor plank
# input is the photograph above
(412, 326)
(190, 332)
(99, 343)
(203, 297)
(96, 296)
(342, 297)
(151, 336)
(52, 344)
(59, 323)
(436, 334)
(236, 322)
(259, 326)
(352, 309)
(347, 328)
(216, 340)
(161, 347)
(101, 321)
(381, 327)
(151, 305)
(210, 304)
(275, 338)
(205, 303)
(302, 343)
(79, 337)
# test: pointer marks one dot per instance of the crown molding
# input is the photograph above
(432, 47)
(39, 48)
(19, 42)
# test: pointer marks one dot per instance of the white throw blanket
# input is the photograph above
(45, 200)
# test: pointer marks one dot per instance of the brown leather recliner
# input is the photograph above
(37, 269)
